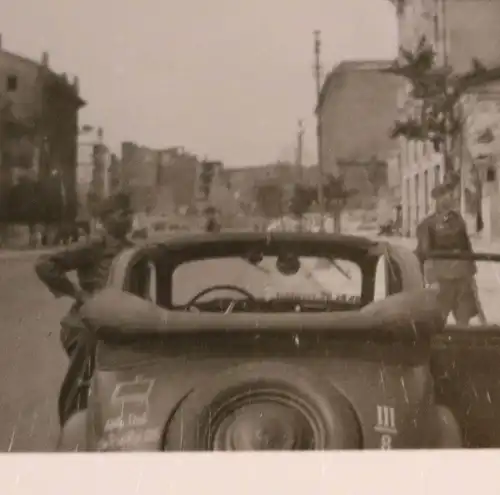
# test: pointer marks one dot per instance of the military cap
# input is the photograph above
(117, 201)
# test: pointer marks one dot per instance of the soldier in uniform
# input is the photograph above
(445, 230)
(91, 261)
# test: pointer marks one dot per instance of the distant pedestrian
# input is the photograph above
(212, 222)
(445, 230)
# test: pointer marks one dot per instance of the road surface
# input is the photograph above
(33, 364)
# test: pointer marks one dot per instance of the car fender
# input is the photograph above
(73, 435)
(448, 434)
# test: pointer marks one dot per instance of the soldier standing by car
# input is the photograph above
(445, 230)
(91, 261)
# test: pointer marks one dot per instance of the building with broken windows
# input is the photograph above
(38, 140)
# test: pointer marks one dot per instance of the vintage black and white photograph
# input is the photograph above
(249, 226)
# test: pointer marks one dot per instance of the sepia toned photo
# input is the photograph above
(231, 227)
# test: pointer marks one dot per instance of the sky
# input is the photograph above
(226, 79)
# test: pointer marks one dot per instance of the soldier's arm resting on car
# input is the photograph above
(52, 269)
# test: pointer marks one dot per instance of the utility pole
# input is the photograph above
(298, 161)
(319, 134)
(300, 146)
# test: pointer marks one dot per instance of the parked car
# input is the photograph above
(235, 341)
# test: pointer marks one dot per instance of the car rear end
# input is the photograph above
(260, 391)
(311, 381)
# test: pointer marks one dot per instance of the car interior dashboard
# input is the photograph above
(150, 283)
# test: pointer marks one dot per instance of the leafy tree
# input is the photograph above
(207, 175)
(21, 202)
(335, 195)
(303, 196)
(440, 120)
(438, 90)
(269, 199)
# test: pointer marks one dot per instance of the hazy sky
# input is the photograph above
(225, 78)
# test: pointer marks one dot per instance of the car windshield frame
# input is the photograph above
(362, 251)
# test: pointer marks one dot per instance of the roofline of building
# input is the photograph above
(346, 66)
(22, 58)
(58, 76)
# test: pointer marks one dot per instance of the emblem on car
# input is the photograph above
(132, 399)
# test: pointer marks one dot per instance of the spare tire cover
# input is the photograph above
(264, 406)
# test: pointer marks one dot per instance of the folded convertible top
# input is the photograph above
(399, 317)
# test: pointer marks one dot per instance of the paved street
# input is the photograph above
(32, 363)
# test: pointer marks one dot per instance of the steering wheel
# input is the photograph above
(213, 288)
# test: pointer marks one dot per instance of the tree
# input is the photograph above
(336, 195)
(303, 196)
(21, 200)
(437, 92)
(269, 199)
(440, 120)
(207, 175)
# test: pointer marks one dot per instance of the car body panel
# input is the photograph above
(406, 388)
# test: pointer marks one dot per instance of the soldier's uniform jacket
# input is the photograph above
(444, 232)
(91, 261)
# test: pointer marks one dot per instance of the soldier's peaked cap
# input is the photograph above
(117, 201)
(448, 185)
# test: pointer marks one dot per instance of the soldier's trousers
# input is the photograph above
(458, 297)
(72, 328)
